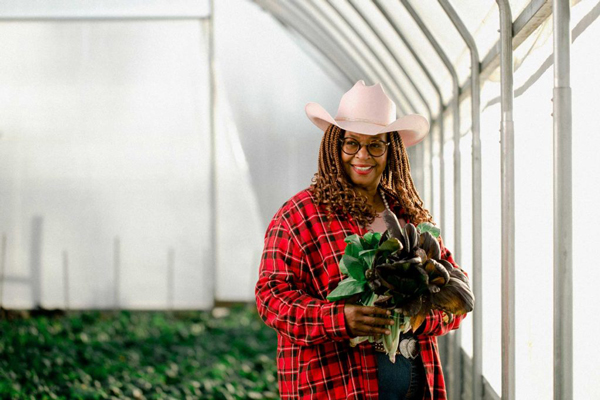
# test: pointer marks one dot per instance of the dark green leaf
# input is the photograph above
(347, 288)
(343, 268)
(368, 256)
(356, 269)
(352, 249)
(372, 239)
(355, 240)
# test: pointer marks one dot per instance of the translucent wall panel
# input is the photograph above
(585, 84)
(534, 215)
(240, 231)
(411, 30)
(436, 209)
(104, 162)
(269, 80)
(448, 223)
(491, 240)
(466, 254)
(533, 240)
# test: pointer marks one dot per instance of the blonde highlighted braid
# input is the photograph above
(333, 189)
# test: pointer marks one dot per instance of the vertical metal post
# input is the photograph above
(65, 257)
(563, 209)
(2, 269)
(477, 369)
(508, 202)
(35, 262)
(213, 217)
(117, 272)
(171, 279)
(431, 185)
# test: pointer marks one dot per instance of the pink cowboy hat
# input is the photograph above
(368, 110)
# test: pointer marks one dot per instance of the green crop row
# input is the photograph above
(223, 354)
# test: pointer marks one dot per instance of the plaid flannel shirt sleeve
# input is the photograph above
(438, 322)
(281, 296)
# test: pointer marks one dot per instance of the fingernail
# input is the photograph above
(388, 312)
(387, 332)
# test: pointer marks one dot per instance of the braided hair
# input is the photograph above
(333, 189)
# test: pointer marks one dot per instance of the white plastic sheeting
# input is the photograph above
(103, 163)
(91, 176)
(269, 80)
(240, 229)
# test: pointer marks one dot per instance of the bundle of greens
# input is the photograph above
(402, 270)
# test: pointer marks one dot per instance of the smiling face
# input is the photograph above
(364, 170)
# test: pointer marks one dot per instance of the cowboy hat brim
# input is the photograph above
(412, 128)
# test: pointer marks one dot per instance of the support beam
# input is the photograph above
(508, 202)
(440, 116)
(214, 218)
(454, 373)
(477, 365)
(399, 62)
(563, 207)
(320, 43)
(536, 12)
(324, 19)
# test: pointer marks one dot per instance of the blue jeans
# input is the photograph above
(402, 380)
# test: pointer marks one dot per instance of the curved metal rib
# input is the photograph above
(477, 368)
(324, 34)
(320, 45)
(440, 116)
(508, 202)
(398, 62)
(455, 359)
(396, 94)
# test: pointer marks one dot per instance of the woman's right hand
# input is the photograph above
(367, 321)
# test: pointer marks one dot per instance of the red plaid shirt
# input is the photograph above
(299, 267)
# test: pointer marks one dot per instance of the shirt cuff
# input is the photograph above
(332, 315)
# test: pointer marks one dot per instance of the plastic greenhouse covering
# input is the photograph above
(145, 146)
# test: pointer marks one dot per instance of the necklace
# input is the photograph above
(385, 203)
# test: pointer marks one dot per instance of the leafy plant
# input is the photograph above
(402, 271)
(226, 354)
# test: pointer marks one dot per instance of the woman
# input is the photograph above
(363, 167)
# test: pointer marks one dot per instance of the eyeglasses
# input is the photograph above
(375, 148)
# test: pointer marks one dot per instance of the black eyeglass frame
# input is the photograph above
(360, 146)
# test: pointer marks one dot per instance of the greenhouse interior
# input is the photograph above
(145, 146)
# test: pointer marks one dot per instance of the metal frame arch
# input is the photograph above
(563, 207)
(508, 201)
(293, 24)
(306, 27)
(456, 120)
(398, 62)
(477, 367)
(373, 62)
(440, 117)
(295, 9)
(419, 155)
